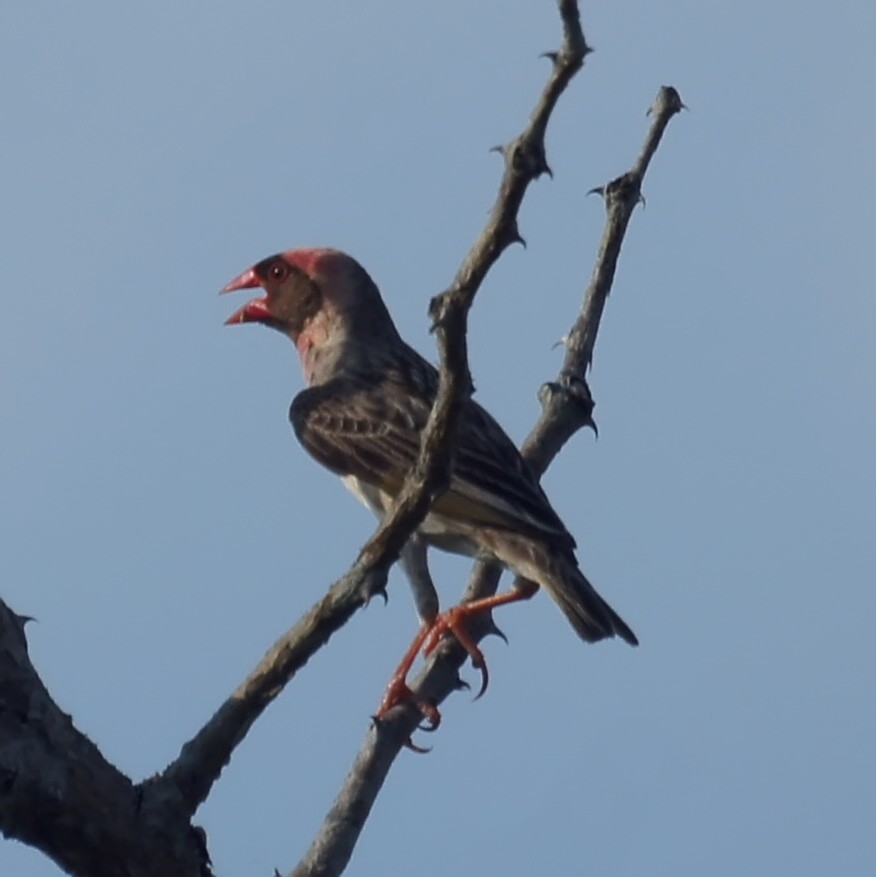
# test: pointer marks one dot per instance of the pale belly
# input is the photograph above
(435, 530)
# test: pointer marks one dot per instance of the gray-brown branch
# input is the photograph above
(566, 407)
(189, 779)
(170, 798)
(59, 794)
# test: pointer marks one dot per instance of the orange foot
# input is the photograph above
(427, 639)
(398, 692)
(451, 621)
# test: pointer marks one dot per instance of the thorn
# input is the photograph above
(546, 168)
(461, 684)
(591, 424)
(494, 630)
(599, 190)
(516, 238)
(23, 619)
(373, 583)
(381, 592)
(553, 56)
(642, 201)
(501, 149)
(560, 342)
(21, 622)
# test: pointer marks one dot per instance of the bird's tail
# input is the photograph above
(590, 615)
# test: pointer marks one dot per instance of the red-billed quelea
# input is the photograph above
(367, 400)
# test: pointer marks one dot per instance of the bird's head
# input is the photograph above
(319, 297)
(293, 295)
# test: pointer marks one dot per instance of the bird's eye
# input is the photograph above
(278, 271)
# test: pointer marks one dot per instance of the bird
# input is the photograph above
(361, 415)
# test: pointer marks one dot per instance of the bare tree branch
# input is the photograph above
(567, 405)
(189, 778)
(59, 794)
(621, 197)
(57, 791)
(525, 161)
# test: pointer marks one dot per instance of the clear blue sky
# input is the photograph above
(159, 520)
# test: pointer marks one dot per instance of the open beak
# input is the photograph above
(255, 311)
(247, 280)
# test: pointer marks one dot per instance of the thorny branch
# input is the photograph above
(147, 827)
(566, 407)
(189, 779)
(59, 794)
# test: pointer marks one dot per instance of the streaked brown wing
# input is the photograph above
(491, 474)
(354, 429)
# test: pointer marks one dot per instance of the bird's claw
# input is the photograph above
(427, 640)
(430, 723)
(451, 621)
(398, 692)
(378, 720)
(485, 680)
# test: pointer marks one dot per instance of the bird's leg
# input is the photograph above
(452, 621)
(397, 691)
(415, 564)
(429, 636)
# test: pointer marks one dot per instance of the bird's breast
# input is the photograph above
(371, 497)
(435, 530)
